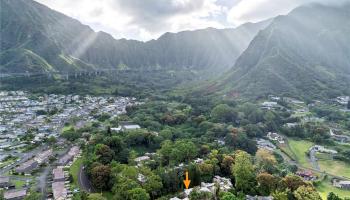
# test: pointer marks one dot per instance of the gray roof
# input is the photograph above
(4, 179)
(11, 194)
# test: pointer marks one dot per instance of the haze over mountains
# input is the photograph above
(306, 52)
(36, 38)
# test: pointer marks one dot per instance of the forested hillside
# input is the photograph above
(305, 53)
(38, 39)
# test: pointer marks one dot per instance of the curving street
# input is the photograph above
(83, 181)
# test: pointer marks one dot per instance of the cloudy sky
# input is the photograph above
(148, 19)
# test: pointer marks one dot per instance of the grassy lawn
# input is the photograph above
(323, 156)
(286, 150)
(8, 161)
(66, 128)
(74, 171)
(106, 195)
(334, 167)
(326, 187)
(299, 149)
(18, 183)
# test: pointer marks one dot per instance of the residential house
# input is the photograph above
(27, 166)
(59, 190)
(306, 175)
(343, 100)
(198, 161)
(74, 151)
(265, 144)
(141, 178)
(58, 174)
(291, 125)
(43, 156)
(342, 184)
(269, 105)
(141, 159)
(275, 137)
(322, 149)
(127, 126)
(15, 194)
(4, 182)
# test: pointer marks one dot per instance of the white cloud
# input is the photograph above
(144, 19)
(256, 10)
(148, 19)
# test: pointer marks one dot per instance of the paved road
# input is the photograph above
(84, 181)
(291, 162)
(313, 160)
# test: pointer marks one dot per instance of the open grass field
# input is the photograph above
(18, 183)
(286, 150)
(323, 156)
(326, 187)
(299, 148)
(335, 167)
(74, 170)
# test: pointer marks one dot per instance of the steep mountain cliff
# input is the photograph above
(35, 38)
(305, 53)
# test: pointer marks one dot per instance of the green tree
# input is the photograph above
(183, 151)
(306, 193)
(153, 185)
(267, 183)
(228, 196)
(131, 158)
(265, 161)
(280, 195)
(123, 186)
(165, 151)
(104, 154)
(51, 140)
(71, 134)
(292, 182)
(138, 194)
(226, 165)
(101, 176)
(198, 195)
(33, 196)
(2, 195)
(223, 113)
(207, 171)
(332, 196)
(243, 172)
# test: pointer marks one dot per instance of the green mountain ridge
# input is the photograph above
(304, 53)
(49, 34)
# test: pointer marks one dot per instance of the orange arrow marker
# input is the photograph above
(186, 181)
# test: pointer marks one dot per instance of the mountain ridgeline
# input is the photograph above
(305, 53)
(35, 38)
